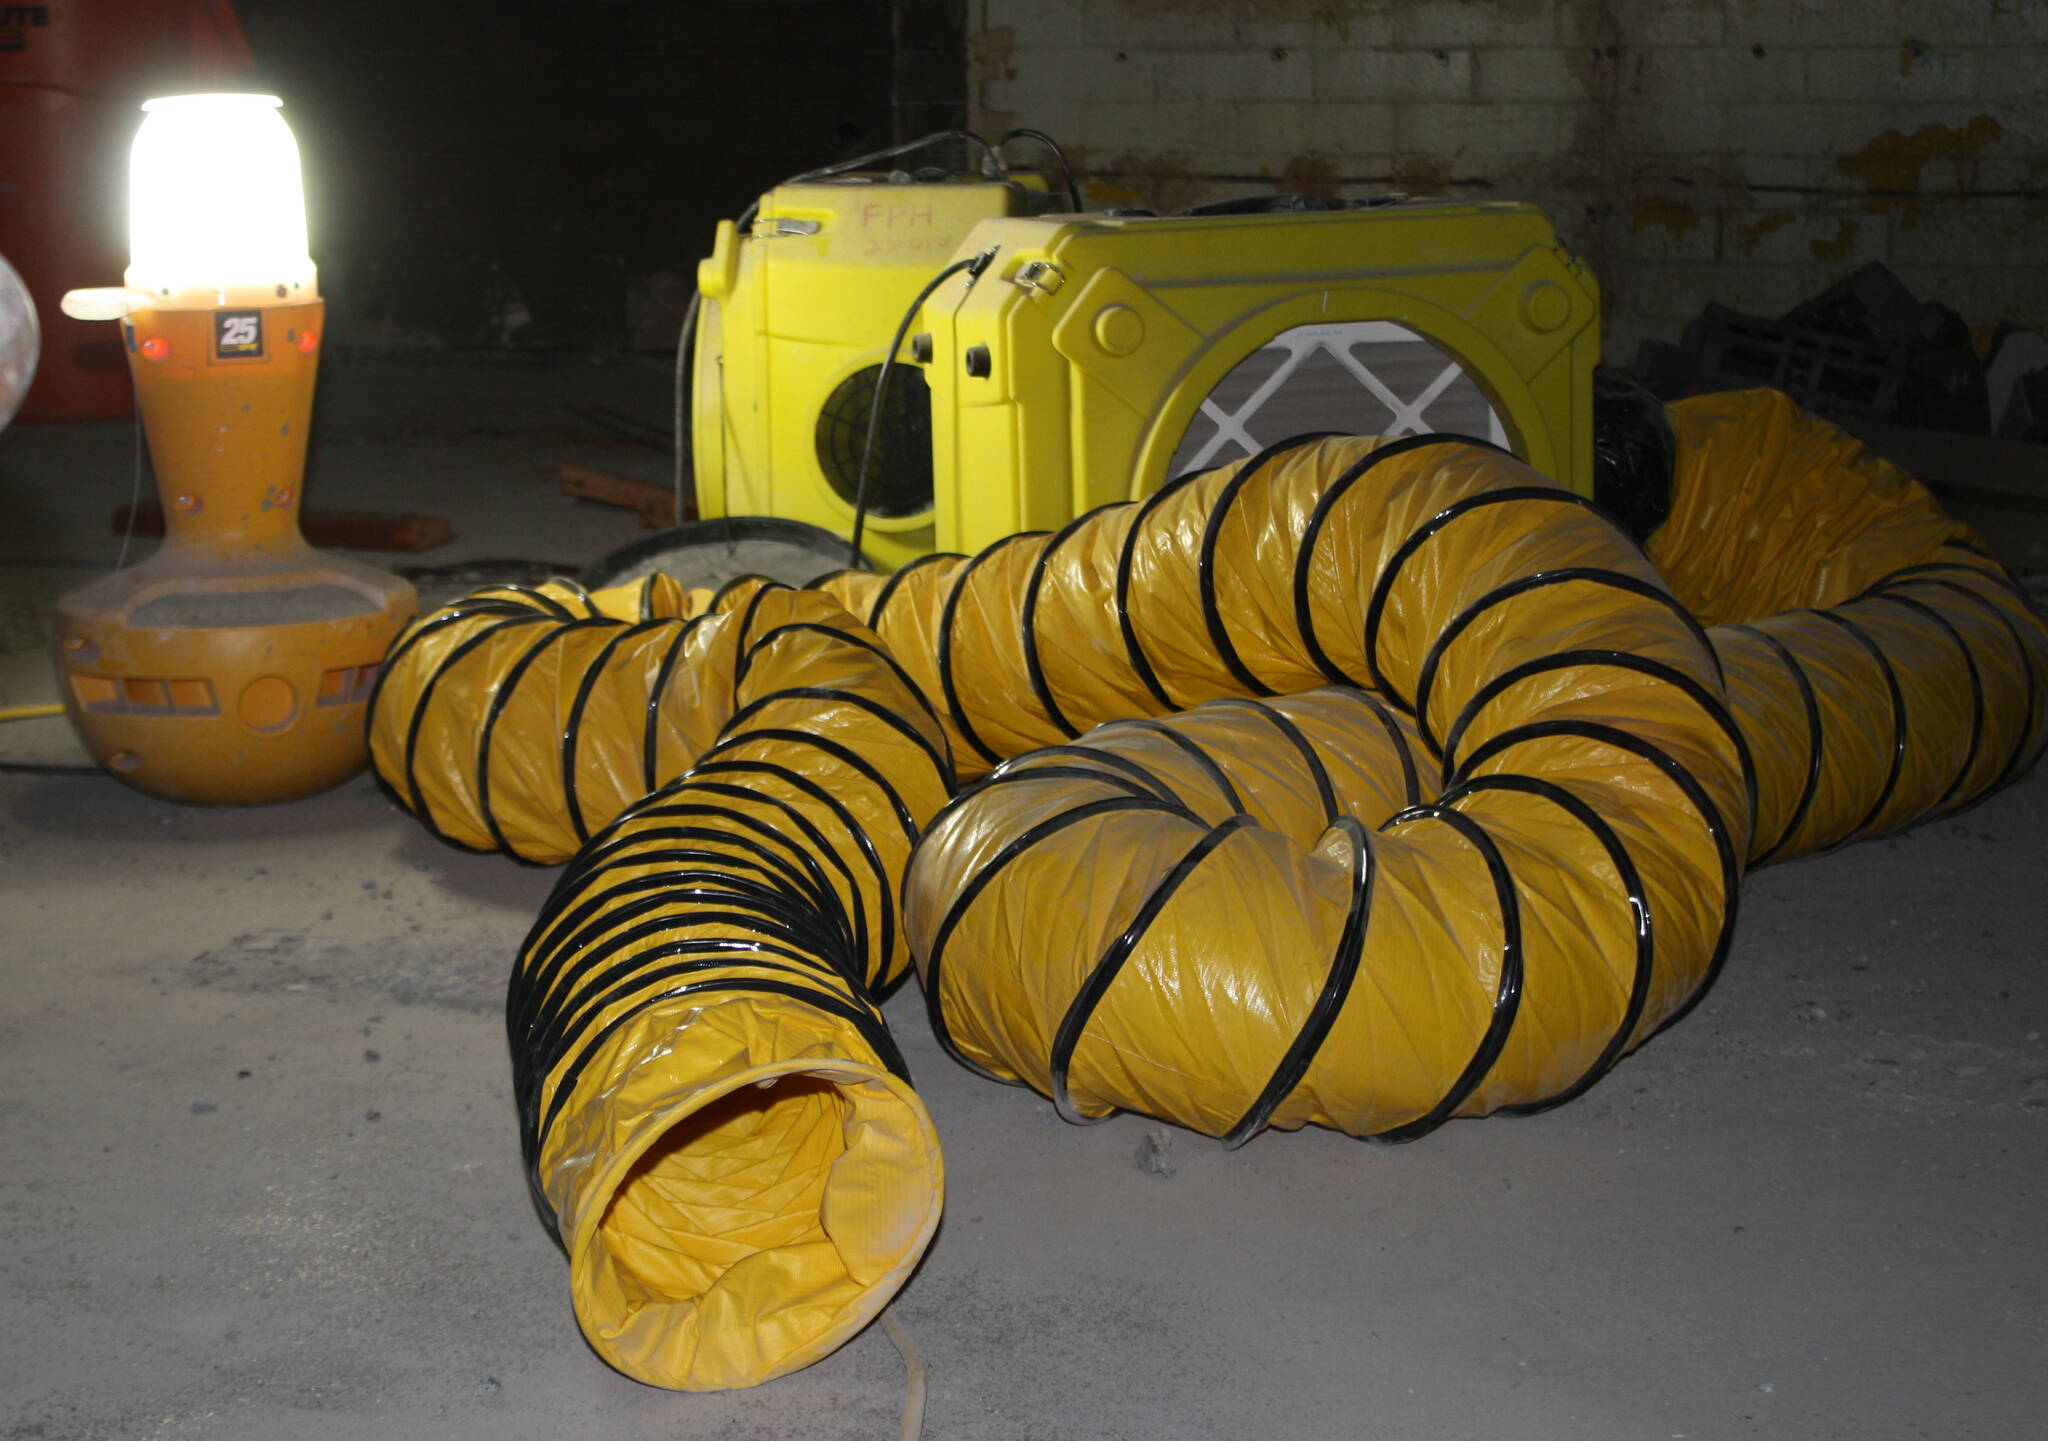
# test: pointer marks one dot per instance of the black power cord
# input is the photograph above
(37, 768)
(908, 147)
(973, 265)
(1024, 132)
(685, 360)
(685, 432)
(685, 462)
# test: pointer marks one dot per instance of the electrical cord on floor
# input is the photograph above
(1025, 132)
(39, 768)
(973, 265)
(914, 1375)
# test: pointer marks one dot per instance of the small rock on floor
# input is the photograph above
(1155, 1154)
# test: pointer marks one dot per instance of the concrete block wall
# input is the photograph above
(1741, 151)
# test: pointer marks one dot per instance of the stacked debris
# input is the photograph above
(1865, 349)
(1899, 373)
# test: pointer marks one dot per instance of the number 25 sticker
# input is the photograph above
(238, 334)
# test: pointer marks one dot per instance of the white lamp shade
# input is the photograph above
(217, 212)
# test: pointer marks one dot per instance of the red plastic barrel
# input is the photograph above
(72, 74)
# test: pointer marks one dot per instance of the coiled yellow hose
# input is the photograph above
(1244, 966)
(1358, 784)
(714, 1116)
(1300, 946)
(1882, 666)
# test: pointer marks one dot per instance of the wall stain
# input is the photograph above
(1337, 15)
(1890, 165)
(1748, 237)
(1313, 175)
(1162, 183)
(1839, 247)
(1676, 216)
(1422, 174)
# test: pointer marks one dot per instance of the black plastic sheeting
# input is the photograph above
(1634, 452)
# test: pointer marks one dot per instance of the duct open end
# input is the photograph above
(762, 1209)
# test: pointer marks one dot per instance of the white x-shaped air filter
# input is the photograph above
(1366, 377)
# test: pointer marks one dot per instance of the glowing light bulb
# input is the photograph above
(217, 210)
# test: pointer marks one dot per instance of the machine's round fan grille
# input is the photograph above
(900, 476)
(1369, 377)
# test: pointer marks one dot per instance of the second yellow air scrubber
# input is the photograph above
(1096, 356)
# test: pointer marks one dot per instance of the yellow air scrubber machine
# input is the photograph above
(1096, 356)
(232, 666)
(797, 304)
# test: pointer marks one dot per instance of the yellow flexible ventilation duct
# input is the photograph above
(714, 1117)
(1358, 784)
(1289, 936)
(1882, 666)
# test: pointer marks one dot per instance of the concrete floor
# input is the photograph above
(261, 1175)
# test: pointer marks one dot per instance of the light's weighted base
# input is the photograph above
(232, 666)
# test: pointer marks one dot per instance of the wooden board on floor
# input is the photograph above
(655, 503)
